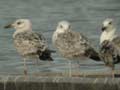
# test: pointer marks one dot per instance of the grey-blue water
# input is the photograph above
(86, 16)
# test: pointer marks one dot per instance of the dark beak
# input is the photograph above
(104, 28)
(8, 26)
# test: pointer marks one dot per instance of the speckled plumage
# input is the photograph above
(28, 43)
(110, 45)
(73, 44)
(110, 52)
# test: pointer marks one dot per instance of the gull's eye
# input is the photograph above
(110, 22)
(18, 23)
(69, 26)
(61, 26)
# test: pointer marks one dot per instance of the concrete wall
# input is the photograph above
(58, 83)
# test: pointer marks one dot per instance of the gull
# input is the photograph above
(29, 43)
(71, 44)
(109, 45)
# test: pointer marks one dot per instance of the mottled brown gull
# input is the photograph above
(110, 45)
(29, 43)
(71, 44)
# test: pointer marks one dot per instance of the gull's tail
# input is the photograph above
(92, 54)
(45, 55)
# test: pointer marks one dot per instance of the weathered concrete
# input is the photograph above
(57, 83)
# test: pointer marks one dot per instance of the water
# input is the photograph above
(85, 16)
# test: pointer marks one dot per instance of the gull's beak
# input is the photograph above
(8, 26)
(104, 28)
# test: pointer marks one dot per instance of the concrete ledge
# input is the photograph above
(57, 83)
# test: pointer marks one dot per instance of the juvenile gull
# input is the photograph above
(110, 45)
(29, 43)
(71, 44)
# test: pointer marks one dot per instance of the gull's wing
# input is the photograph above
(73, 44)
(110, 51)
(31, 43)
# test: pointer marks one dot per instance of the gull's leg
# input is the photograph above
(36, 64)
(113, 73)
(36, 61)
(25, 68)
(79, 68)
(70, 69)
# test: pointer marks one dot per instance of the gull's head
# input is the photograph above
(63, 26)
(21, 25)
(108, 25)
(108, 30)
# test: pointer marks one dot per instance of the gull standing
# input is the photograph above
(29, 43)
(71, 44)
(110, 45)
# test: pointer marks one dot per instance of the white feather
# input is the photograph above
(107, 36)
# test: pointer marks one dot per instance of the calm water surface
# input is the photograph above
(85, 16)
